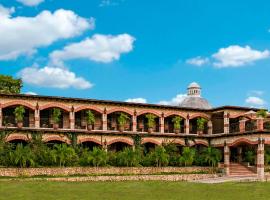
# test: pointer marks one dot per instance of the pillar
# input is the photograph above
(239, 154)
(134, 122)
(227, 159)
(210, 127)
(260, 124)
(161, 124)
(187, 125)
(260, 159)
(104, 120)
(242, 125)
(37, 117)
(1, 117)
(105, 146)
(226, 122)
(72, 119)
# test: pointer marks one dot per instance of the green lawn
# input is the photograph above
(39, 190)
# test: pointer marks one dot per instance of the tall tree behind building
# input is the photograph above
(10, 85)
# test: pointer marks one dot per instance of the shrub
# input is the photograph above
(56, 115)
(19, 113)
(90, 117)
(187, 157)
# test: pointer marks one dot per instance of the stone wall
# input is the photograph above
(57, 171)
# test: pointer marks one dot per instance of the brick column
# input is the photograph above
(226, 122)
(104, 120)
(260, 123)
(72, 119)
(227, 159)
(242, 125)
(187, 125)
(134, 122)
(1, 117)
(37, 117)
(161, 123)
(210, 127)
(260, 158)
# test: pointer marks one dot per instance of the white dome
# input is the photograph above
(194, 85)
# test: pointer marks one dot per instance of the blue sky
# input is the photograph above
(128, 49)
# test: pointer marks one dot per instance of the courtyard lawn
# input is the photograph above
(29, 190)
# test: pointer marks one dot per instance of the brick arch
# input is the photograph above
(123, 140)
(56, 138)
(18, 102)
(149, 111)
(88, 107)
(55, 105)
(80, 141)
(130, 112)
(17, 136)
(199, 115)
(180, 142)
(204, 143)
(174, 113)
(150, 140)
(239, 115)
(242, 140)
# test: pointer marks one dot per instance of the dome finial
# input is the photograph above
(194, 89)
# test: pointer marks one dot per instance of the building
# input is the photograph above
(230, 128)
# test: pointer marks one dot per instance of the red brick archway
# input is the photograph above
(18, 102)
(126, 141)
(130, 112)
(150, 140)
(56, 138)
(242, 141)
(55, 105)
(80, 141)
(16, 136)
(89, 107)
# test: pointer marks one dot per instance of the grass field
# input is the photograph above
(28, 190)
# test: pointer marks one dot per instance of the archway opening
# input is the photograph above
(143, 123)
(90, 145)
(118, 146)
(169, 124)
(81, 119)
(46, 118)
(148, 147)
(113, 121)
(198, 125)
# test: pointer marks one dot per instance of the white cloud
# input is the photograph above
(23, 35)
(53, 77)
(99, 48)
(255, 101)
(104, 3)
(6, 12)
(30, 2)
(256, 92)
(198, 61)
(137, 100)
(31, 93)
(174, 101)
(235, 56)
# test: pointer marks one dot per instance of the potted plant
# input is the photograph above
(56, 117)
(150, 122)
(177, 124)
(122, 120)
(19, 115)
(201, 125)
(90, 118)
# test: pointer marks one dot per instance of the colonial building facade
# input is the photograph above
(230, 128)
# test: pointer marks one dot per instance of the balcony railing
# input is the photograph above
(234, 128)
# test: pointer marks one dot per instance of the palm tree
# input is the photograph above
(65, 155)
(22, 156)
(98, 157)
(160, 156)
(187, 157)
(211, 156)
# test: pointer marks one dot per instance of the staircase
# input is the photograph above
(239, 170)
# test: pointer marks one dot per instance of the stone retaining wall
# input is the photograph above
(65, 171)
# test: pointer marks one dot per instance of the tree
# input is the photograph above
(261, 113)
(9, 85)
(211, 156)
(187, 157)
(98, 157)
(129, 157)
(22, 156)
(65, 155)
(160, 156)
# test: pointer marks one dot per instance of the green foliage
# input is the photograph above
(19, 113)
(261, 113)
(187, 157)
(64, 155)
(122, 119)
(201, 123)
(90, 117)
(159, 157)
(56, 115)
(9, 85)
(151, 120)
(249, 156)
(177, 122)
(137, 141)
(129, 157)
(211, 156)
(22, 156)
(267, 156)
